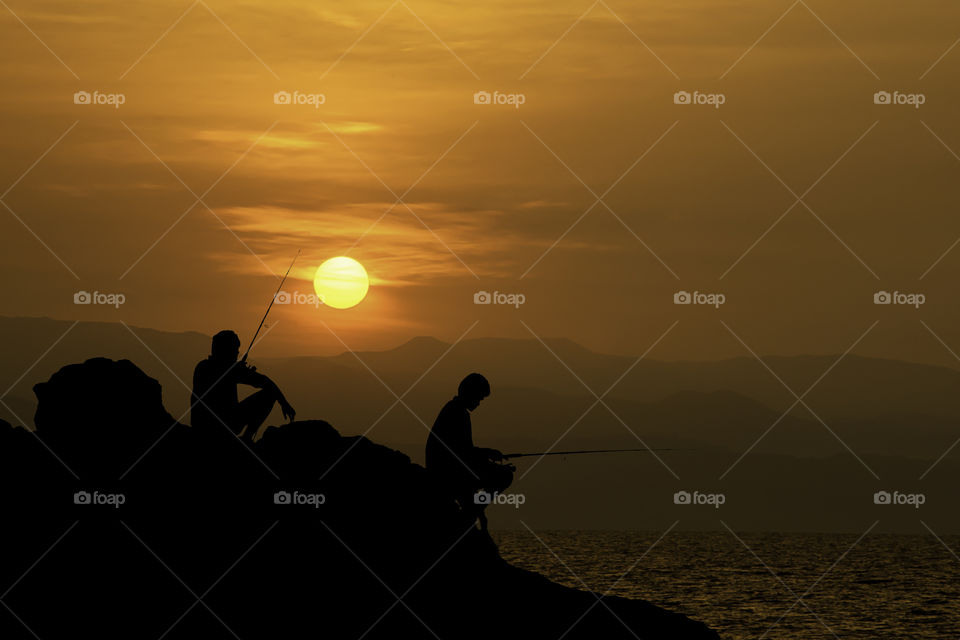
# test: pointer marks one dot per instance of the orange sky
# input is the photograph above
(492, 194)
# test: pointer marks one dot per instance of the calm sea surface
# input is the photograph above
(886, 586)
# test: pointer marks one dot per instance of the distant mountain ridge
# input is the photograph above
(878, 416)
(542, 386)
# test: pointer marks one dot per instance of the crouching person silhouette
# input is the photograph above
(463, 472)
(214, 402)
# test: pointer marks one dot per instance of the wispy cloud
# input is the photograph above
(395, 251)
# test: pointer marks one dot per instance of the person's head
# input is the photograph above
(472, 390)
(225, 346)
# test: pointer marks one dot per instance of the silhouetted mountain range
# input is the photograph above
(870, 414)
(722, 402)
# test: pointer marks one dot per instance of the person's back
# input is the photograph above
(214, 393)
(449, 451)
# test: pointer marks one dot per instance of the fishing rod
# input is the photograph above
(272, 300)
(508, 456)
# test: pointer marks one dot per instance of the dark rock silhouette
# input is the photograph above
(146, 528)
(96, 414)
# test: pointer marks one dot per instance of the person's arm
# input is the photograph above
(481, 454)
(490, 454)
(245, 374)
(248, 375)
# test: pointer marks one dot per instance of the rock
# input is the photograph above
(306, 533)
(96, 414)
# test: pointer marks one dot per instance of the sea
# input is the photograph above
(764, 585)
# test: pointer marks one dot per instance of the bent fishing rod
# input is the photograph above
(272, 300)
(508, 456)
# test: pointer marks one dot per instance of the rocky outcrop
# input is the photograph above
(96, 413)
(147, 529)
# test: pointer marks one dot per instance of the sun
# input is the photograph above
(341, 282)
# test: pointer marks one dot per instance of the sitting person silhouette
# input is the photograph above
(214, 403)
(468, 474)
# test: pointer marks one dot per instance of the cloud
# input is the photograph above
(394, 245)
